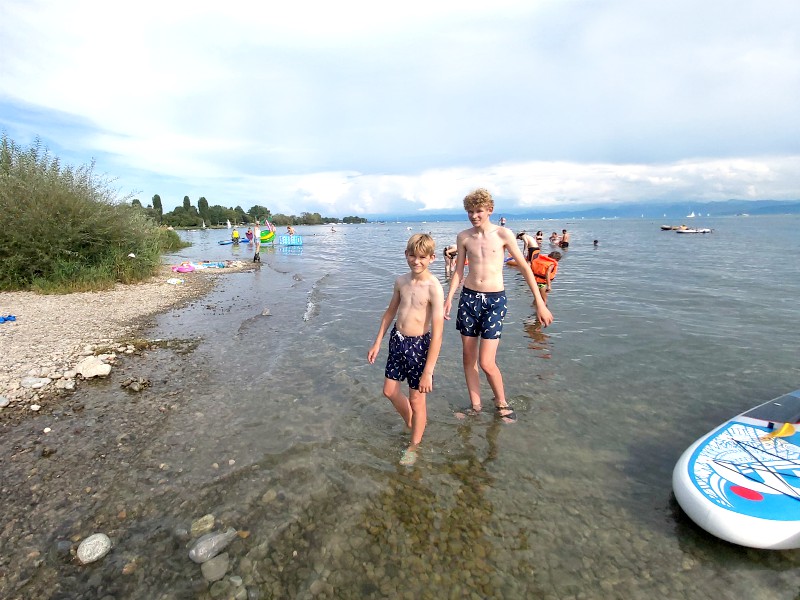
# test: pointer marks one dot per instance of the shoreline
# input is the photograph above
(53, 333)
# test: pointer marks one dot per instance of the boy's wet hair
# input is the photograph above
(478, 198)
(421, 244)
(555, 254)
(520, 234)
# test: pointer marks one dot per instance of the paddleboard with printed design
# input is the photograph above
(741, 482)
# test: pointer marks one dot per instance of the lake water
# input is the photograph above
(658, 338)
(283, 431)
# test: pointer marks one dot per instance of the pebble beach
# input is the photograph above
(51, 334)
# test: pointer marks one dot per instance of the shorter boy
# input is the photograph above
(415, 339)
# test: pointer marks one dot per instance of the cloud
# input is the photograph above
(354, 109)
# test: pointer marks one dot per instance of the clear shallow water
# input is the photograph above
(279, 426)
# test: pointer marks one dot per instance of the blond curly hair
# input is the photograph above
(478, 198)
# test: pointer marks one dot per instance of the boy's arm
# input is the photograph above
(456, 276)
(437, 328)
(387, 319)
(545, 316)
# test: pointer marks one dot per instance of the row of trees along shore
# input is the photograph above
(66, 229)
(188, 215)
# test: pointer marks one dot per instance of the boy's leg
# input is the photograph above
(419, 416)
(470, 359)
(488, 363)
(391, 389)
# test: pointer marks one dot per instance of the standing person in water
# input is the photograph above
(450, 253)
(415, 340)
(564, 243)
(482, 305)
(257, 240)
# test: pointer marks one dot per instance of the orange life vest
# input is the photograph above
(539, 266)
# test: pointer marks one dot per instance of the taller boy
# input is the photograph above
(482, 305)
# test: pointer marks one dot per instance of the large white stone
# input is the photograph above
(92, 366)
(94, 548)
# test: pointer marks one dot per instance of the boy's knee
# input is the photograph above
(489, 367)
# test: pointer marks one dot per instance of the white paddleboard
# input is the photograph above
(741, 482)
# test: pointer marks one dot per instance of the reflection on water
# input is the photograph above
(275, 424)
(539, 339)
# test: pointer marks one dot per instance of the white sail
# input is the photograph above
(229, 223)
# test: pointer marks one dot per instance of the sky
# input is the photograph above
(368, 108)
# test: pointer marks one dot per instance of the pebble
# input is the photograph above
(4, 401)
(214, 569)
(203, 525)
(211, 544)
(34, 383)
(94, 548)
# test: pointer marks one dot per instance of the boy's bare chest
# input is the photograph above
(482, 247)
(417, 296)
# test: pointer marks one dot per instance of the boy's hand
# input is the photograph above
(425, 383)
(545, 316)
(373, 353)
(447, 304)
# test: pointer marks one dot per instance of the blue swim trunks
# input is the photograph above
(481, 314)
(407, 357)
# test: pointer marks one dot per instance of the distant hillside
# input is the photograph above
(726, 208)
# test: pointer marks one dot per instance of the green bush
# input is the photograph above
(65, 230)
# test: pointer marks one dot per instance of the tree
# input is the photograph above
(158, 208)
(135, 202)
(310, 218)
(202, 208)
(241, 216)
(187, 204)
(258, 212)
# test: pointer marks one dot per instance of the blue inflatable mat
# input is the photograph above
(290, 240)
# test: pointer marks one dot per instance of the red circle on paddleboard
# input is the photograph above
(746, 493)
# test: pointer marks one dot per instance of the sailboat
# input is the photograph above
(691, 215)
(229, 222)
(204, 223)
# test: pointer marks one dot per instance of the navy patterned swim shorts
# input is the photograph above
(481, 314)
(407, 357)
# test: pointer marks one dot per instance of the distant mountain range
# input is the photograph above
(726, 208)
